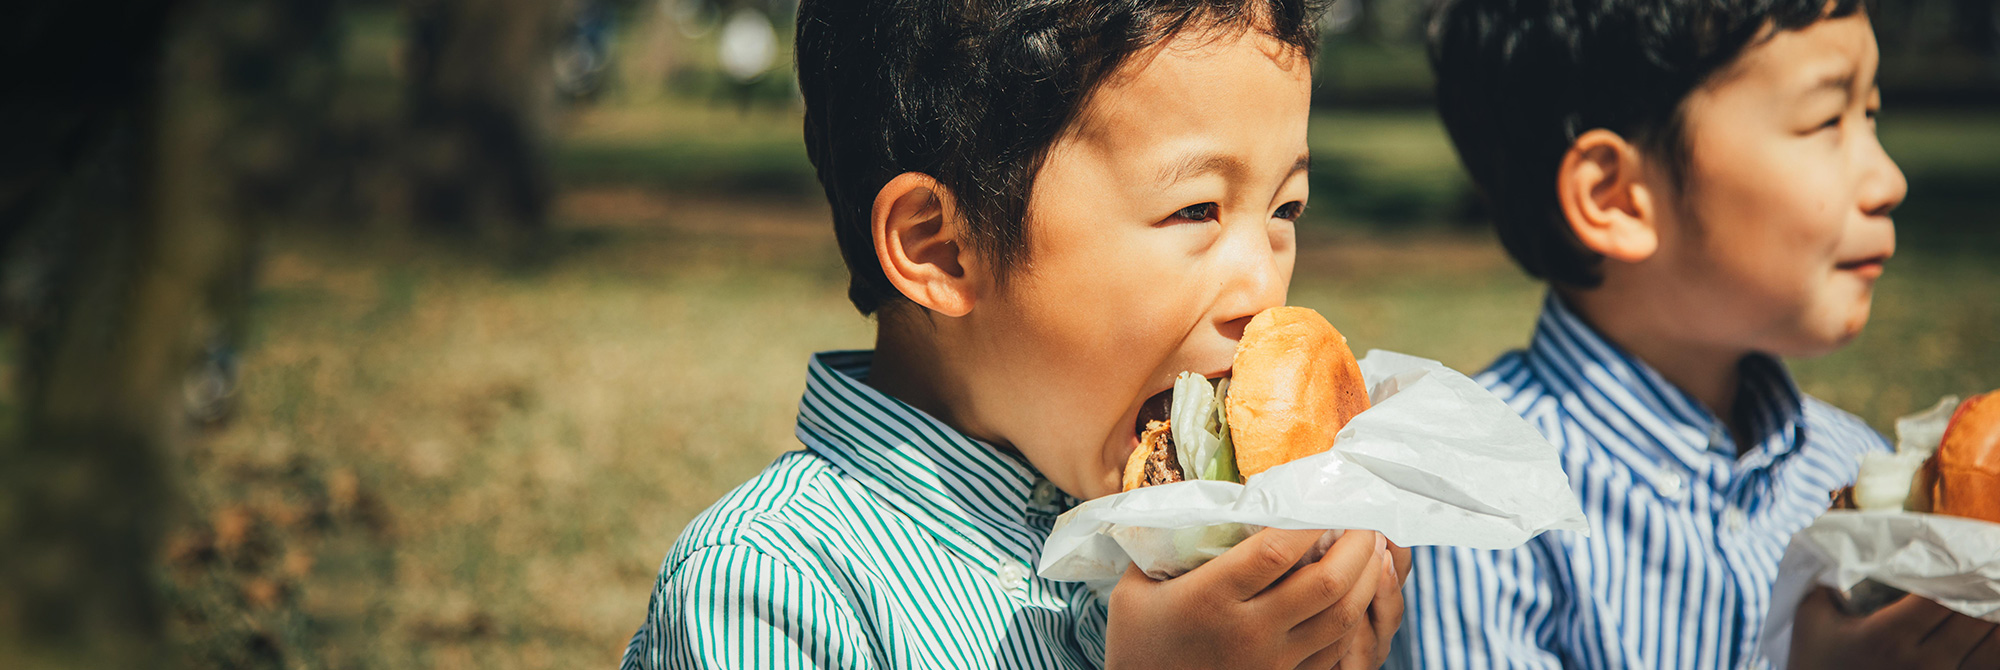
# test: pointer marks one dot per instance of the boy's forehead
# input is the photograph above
(1828, 52)
(1183, 69)
(1179, 109)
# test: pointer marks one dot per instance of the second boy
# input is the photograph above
(1701, 185)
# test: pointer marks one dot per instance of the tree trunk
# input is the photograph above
(113, 222)
(480, 104)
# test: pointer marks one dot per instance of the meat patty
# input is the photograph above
(1163, 465)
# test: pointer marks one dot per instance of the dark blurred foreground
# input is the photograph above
(351, 333)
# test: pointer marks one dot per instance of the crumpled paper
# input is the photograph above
(1951, 560)
(1436, 460)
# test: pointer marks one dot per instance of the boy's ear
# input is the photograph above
(918, 240)
(1606, 199)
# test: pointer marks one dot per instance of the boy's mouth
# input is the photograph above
(1869, 267)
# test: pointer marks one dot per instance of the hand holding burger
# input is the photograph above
(1293, 385)
(1876, 625)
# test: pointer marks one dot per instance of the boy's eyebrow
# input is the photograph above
(1199, 164)
(1843, 81)
(1840, 82)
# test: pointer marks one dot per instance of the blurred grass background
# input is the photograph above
(438, 460)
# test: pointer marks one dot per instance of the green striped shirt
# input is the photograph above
(890, 541)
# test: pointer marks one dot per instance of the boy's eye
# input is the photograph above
(1290, 211)
(1203, 212)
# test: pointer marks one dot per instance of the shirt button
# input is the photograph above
(1045, 494)
(1670, 485)
(1013, 576)
(1735, 519)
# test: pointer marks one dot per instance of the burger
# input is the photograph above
(1961, 478)
(1293, 385)
(1965, 471)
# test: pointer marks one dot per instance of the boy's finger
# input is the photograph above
(1987, 654)
(1817, 612)
(1131, 583)
(1347, 614)
(1909, 618)
(1386, 613)
(1956, 638)
(1254, 564)
(1322, 583)
(1816, 621)
(1402, 556)
(1367, 653)
(1333, 656)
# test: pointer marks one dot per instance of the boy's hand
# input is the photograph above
(1384, 615)
(1242, 610)
(1909, 633)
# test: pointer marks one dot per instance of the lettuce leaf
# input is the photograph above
(1193, 406)
(1225, 456)
(1200, 426)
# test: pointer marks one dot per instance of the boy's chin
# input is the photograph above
(1854, 319)
(1828, 336)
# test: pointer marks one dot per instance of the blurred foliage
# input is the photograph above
(91, 186)
(1376, 169)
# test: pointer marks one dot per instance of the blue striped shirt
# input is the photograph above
(890, 541)
(1685, 532)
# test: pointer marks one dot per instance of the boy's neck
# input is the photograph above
(909, 366)
(1710, 374)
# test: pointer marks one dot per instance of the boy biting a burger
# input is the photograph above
(1701, 185)
(1052, 208)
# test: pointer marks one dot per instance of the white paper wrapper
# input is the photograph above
(1436, 460)
(1951, 560)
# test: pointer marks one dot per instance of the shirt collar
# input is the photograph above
(1633, 400)
(982, 502)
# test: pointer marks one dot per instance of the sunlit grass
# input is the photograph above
(532, 442)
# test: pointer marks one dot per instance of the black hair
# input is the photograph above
(1519, 80)
(973, 93)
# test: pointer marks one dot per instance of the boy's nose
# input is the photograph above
(1258, 281)
(1883, 185)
